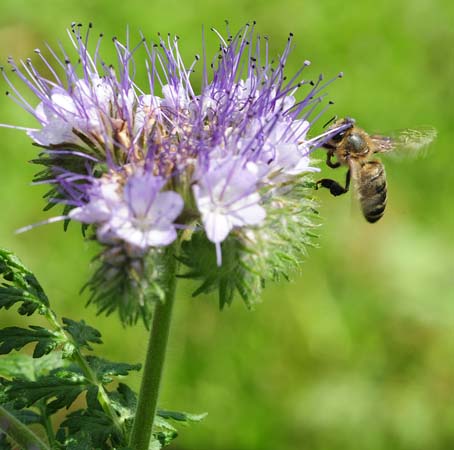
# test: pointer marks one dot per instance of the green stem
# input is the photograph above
(103, 398)
(154, 362)
(46, 422)
(79, 359)
(19, 432)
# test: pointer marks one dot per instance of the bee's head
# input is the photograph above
(345, 127)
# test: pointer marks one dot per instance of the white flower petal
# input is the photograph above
(217, 226)
(251, 213)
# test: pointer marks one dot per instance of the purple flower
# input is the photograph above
(137, 214)
(227, 197)
(123, 158)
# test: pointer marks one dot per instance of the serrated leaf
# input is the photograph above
(20, 286)
(106, 370)
(14, 338)
(124, 401)
(95, 423)
(82, 333)
(61, 388)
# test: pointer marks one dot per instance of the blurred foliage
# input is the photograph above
(356, 352)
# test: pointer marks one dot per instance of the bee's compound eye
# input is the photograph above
(355, 143)
(338, 137)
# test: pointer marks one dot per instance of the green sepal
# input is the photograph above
(128, 285)
(199, 256)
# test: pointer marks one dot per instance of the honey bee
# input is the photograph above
(354, 148)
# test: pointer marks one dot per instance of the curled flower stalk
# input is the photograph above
(212, 161)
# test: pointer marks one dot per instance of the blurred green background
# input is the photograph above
(357, 352)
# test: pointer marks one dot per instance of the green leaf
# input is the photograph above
(82, 333)
(93, 422)
(164, 431)
(19, 285)
(106, 370)
(62, 387)
(181, 416)
(14, 338)
(124, 401)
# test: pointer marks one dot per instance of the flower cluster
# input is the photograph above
(141, 165)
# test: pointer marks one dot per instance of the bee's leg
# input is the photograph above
(330, 163)
(334, 187)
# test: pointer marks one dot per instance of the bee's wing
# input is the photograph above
(411, 141)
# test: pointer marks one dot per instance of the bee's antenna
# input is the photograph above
(330, 121)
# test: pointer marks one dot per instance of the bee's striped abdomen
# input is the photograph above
(372, 190)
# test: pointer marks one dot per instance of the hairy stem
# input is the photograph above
(154, 362)
(79, 359)
(19, 432)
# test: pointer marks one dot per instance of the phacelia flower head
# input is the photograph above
(216, 151)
